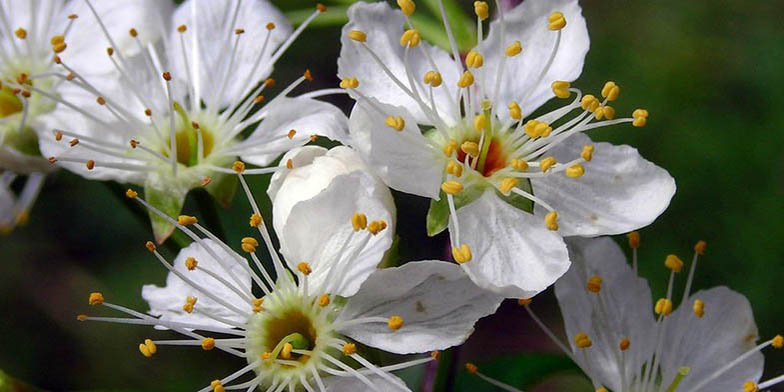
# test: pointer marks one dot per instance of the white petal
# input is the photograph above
(514, 254)
(167, 301)
(403, 159)
(318, 230)
(620, 191)
(353, 384)
(437, 301)
(307, 117)
(211, 29)
(706, 344)
(383, 27)
(527, 23)
(628, 310)
(300, 158)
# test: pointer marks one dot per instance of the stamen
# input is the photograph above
(462, 254)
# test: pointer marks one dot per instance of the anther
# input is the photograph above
(147, 112)
(269, 82)
(134, 143)
(556, 21)
(452, 187)
(206, 181)
(208, 344)
(70, 76)
(52, 160)
(594, 284)
(481, 9)
(285, 353)
(150, 246)
(587, 152)
(239, 31)
(255, 220)
(217, 386)
(186, 220)
(249, 244)
(58, 135)
(519, 164)
(21, 33)
(238, 166)
(357, 35)
(640, 117)
(513, 49)
(376, 227)
(602, 389)
(624, 344)
(308, 75)
(81, 317)
(304, 268)
(514, 111)
(96, 298)
(507, 184)
(602, 112)
(320, 7)
(474, 59)
(90, 164)
(191, 263)
(133, 33)
(259, 99)
(148, 348)
(324, 300)
(699, 308)
(589, 103)
(663, 307)
(190, 302)
(454, 168)
(289, 164)
(466, 80)
(435, 355)
(547, 163)
(73, 142)
(480, 123)
(359, 221)
(195, 125)
(582, 340)
(433, 78)
(349, 349)
(674, 263)
(462, 254)
(561, 89)
(471, 148)
(257, 304)
(407, 6)
(270, 26)
(131, 194)
(450, 147)
(777, 342)
(575, 171)
(536, 128)
(551, 220)
(182, 28)
(634, 239)
(750, 386)
(101, 101)
(611, 91)
(73, 16)
(395, 122)
(699, 247)
(348, 83)
(395, 322)
(471, 368)
(166, 76)
(410, 38)
(524, 301)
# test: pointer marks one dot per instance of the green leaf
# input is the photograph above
(518, 201)
(223, 187)
(438, 215)
(522, 371)
(169, 199)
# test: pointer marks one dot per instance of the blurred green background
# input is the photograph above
(710, 74)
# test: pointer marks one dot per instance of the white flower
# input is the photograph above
(15, 210)
(173, 117)
(303, 330)
(508, 188)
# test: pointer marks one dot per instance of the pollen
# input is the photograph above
(589, 103)
(524, 301)
(514, 111)
(191, 263)
(561, 89)
(454, 168)
(556, 21)
(582, 340)
(513, 49)
(304, 268)
(395, 122)
(150, 246)
(547, 163)
(186, 220)
(480, 123)
(357, 35)
(674, 263)
(663, 307)
(699, 247)
(359, 221)
(551, 220)
(466, 79)
(407, 6)
(640, 117)
(21, 33)
(474, 59)
(182, 28)
(238, 166)
(519, 164)
(587, 152)
(95, 299)
(777, 342)
(481, 9)
(634, 239)
(575, 171)
(395, 323)
(190, 302)
(605, 111)
(349, 349)
(624, 344)
(131, 194)
(750, 386)
(410, 38)
(376, 227)
(535, 129)
(348, 83)
(148, 348)
(452, 187)
(507, 184)
(324, 300)
(462, 254)
(471, 368)
(255, 220)
(257, 304)
(433, 78)
(594, 284)
(611, 91)
(208, 344)
(450, 148)
(90, 164)
(698, 308)
(249, 244)
(470, 148)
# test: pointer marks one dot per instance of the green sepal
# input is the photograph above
(169, 199)
(223, 187)
(438, 215)
(517, 201)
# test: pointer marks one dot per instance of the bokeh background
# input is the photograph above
(710, 74)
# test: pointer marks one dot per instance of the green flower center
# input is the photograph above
(10, 104)
(187, 138)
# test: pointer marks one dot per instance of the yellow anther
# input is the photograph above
(133, 33)
(536, 128)
(589, 103)
(433, 78)
(611, 91)
(624, 344)
(750, 386)
(217, 386)
(481, 9)
(324, 300)
(291, 134)
(519, 164)
(191, 263)
(634, 239)
(471, 148)
(471, 368)
(640, 117)
(285, 353)
(466, 79)
(81, 317)
(450, 148)
(410, 38)
(474, 59)
(167, 76)
(454, 168)
(514, 111)
(556, 21)
(395, 122)
(575, 171)
(22, 33)
(348, 83)
(435, 355)
(395, 322)
(582, 340)
(551, 220)
(674, 263)
(507, 184)
(587, 152)
(208, 343)
(407, 6)
(255, 220)
(190, 302)
(462, 254)
(602, 389)
(304, 268)
(698, 308)
(238, 166)
(249, 244)
(349, 349)
(359, 221)
(594, 284)
(452, 187)
(561, 89)
(95, 299)
(148, 348)
(320, 7)
(265, 355)
(547, 163)
(182, 28)
(186, 220)
(777, 342)
(514, 49)
(257, 304)
(150, 246)
(663, 307)
(603, 112)
(480, 123)
(90, 164)
(376, 227)
(269, 82)
(699, 247)
(131, 194)
(524, 301)
(357, 35)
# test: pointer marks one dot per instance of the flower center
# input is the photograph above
(491, 159)
(187, 137)
(9, 103)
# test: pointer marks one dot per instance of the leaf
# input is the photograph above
(169, 199)
(438, 215)
(517, 201)
(223, 187)
(522, 371)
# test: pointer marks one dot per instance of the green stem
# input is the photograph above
(209, 212)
